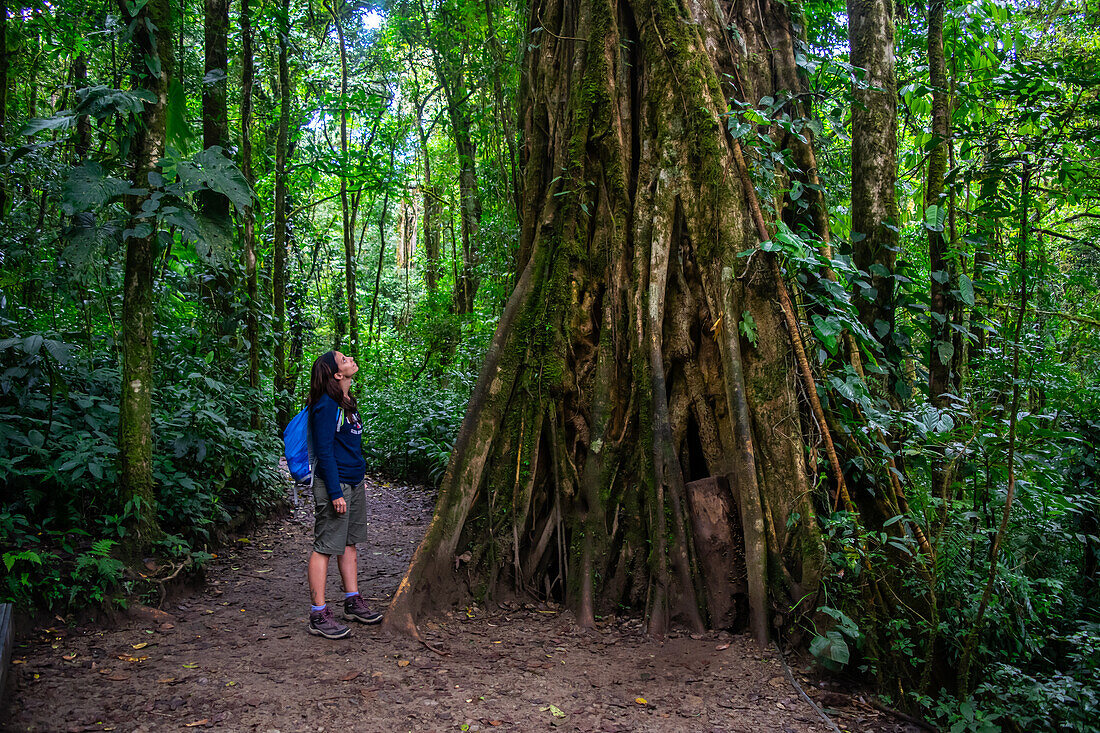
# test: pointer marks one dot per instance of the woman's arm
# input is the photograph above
(322, 425)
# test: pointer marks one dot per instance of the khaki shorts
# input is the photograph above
(333, 532)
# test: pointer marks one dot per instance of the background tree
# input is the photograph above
(617, 374)
(152, 64)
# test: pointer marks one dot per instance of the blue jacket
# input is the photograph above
(335, 446)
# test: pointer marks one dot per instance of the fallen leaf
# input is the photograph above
(403, 663)
(640, 700)
(350, 676)
(722, 647)
(190, 665)
(230, 683)
(496, 722)
(197, 723)
(554, 710)
(142, 645)
(69, 657)
(166, 680)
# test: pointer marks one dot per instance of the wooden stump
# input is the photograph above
(720, 546)
(7, 638)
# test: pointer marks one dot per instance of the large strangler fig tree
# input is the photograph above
(635, 434)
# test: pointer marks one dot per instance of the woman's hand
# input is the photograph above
(340, 505)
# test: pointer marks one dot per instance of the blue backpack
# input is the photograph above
(296, 446)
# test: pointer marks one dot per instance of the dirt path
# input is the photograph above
(235, 656)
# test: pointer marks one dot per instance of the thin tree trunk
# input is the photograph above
(450, 75)
(504, 111)
(874, 173)
(215, 112)
(4, 64)
(348, 225)
(941, 265)
(252, 332)
(433, 213)
(279, 275)
(83, 123)
(215, 132)
(152, 40)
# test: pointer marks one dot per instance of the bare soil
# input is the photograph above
(234, 655)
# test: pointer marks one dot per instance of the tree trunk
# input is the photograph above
(83, 141)
(874, 172)
(4, 63)
(617, 375)
(433, 214)
(505, 114)
(449, 71)
(252, 329)
(215, 112)
(348, 225)
(152, 46)
(279, 276)
(941, 265)
(215, 132)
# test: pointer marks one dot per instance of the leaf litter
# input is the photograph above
(507, 660)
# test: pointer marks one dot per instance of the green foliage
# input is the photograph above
(63, 520)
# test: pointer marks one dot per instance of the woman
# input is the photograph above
(339, 498)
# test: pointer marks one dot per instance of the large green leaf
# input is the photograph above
(102, 102)
(831, 650)
(61, 121)
(212, 169)
(177, 129)
(88, 187)
(211, 242)
(87, 246)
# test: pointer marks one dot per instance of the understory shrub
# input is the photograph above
(62, 521)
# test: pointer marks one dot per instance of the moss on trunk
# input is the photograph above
(617, 373)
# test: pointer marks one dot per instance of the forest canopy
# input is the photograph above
(779, 318)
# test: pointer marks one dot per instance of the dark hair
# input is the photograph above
(321, 381)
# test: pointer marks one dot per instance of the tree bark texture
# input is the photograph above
(942, 268)
(152, 53)
(874, 168)
(4, 64)
(218, 291)
(215, 111)
(618, 398)
(346, 217)
(281, 234)
(252, 327)
(433, 215)
(447, 58)
(83, 142)
(941, 381)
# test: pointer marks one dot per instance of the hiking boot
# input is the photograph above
(324, 623)
(356, 608)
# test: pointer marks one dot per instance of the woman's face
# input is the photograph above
(345, 366)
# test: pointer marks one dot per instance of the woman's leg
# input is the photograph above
(349, 572)
(317, 573)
